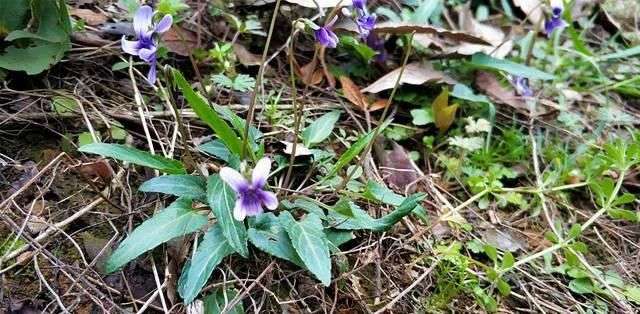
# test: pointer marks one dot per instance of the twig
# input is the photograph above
(424, 275)
(239, 297)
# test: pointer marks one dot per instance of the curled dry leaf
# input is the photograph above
(414, 73)
(443, 113)
(245, 57)
(301, 150)
(499, 45)
(398, 170)
(90, 17)
(355, 96)
(180, 41)
(405, 27)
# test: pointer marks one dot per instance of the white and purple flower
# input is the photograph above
(325, 36)
(251, 195)
(556, 21)
(146, 46)
(521, 85)
(365, 21)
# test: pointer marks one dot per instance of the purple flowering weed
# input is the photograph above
(325, 35)
(251, 195)
(556, 21)
(146, 46)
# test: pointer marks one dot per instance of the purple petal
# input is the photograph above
(234, 179)
(153, 74)
(359, 4)
(148, 54)
(130, 46)
(269, 199)
(261, 172)
(553, 24)
(142, 21)
(238, 211)
(164, 24)
(250, 205)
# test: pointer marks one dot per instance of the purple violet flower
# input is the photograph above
(325, 36)
(145, 46)
(250, 194)
(521, 85)
(376, 43)
(556, 21)
(360, 4)
(366, 23)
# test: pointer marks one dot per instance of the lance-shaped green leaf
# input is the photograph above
(177, 220)
(320, 129)
(484, 61)
(135, 156)
(222, 199)
(182, 185)
(361, 220)
(213, 248)
(311, 244)
(268, 235)
(208, 115)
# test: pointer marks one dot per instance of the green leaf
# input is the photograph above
(241, 83)
(85, 138)
(135, 156)
(171, 7)
(422, 116)
(633, 294)
(62, 105)
(177, 220)
(406, 207)
(508, 260)
(222, 200)
(309, 205)
(208, 115)
(575, 231)
(375, 191)
(32, 60)
(218, 301)
(484, 61)
(310, 242)
(13, 15)
(344, 207)
(581, 285)
(183, 185)
(220, 151)
(621, 54)
(354, 151)
(320, 129)
(268, 235)
(362, 221)
(462, 91)
(209, 254)
(491, 252)
(364, 52)
(337, 238)
(503, 287)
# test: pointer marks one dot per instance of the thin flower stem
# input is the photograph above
(296, 109)
(254, 96)
(376, 131)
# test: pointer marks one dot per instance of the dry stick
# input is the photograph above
(376, 131)
(138, 98)
(297, 112)
(46, 284)
(239, 297)
(254, 96)
(409, 288)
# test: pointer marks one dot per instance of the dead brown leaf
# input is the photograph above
(414, 73)
(353, 94)
(398, 170)
(504, 240)
(245, 57)
(180, 41)
(498, 44)
(378, 104)
(90, 17)
(301, 150)
(489, 84)
(405, 27)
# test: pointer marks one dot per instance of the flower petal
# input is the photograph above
(238, 211)
(269, 199)
(164, 24)
(153, 73)
(130, 46)
(148, 54)
(261, 172)
(142, 20)
(234, 179)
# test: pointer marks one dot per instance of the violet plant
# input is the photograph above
(556, 21)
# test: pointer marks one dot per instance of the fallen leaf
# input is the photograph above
(503, 240)
(532, 8)
(301, 150)
(90, 17)
(414, 73)
(489, 84)
(624, 15)
(89, 39)
(443, 113)
(245, 57)
(398, 170)
(97, 248)
(405, 27)
(180, 41)
(352, 92)
(498, 44)
(378, 104)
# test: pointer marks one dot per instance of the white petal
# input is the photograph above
(233, 178)
(238, 212)
(130, 46)
(261, 172)
(164, 24)
(269, 199)
(142, 20)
